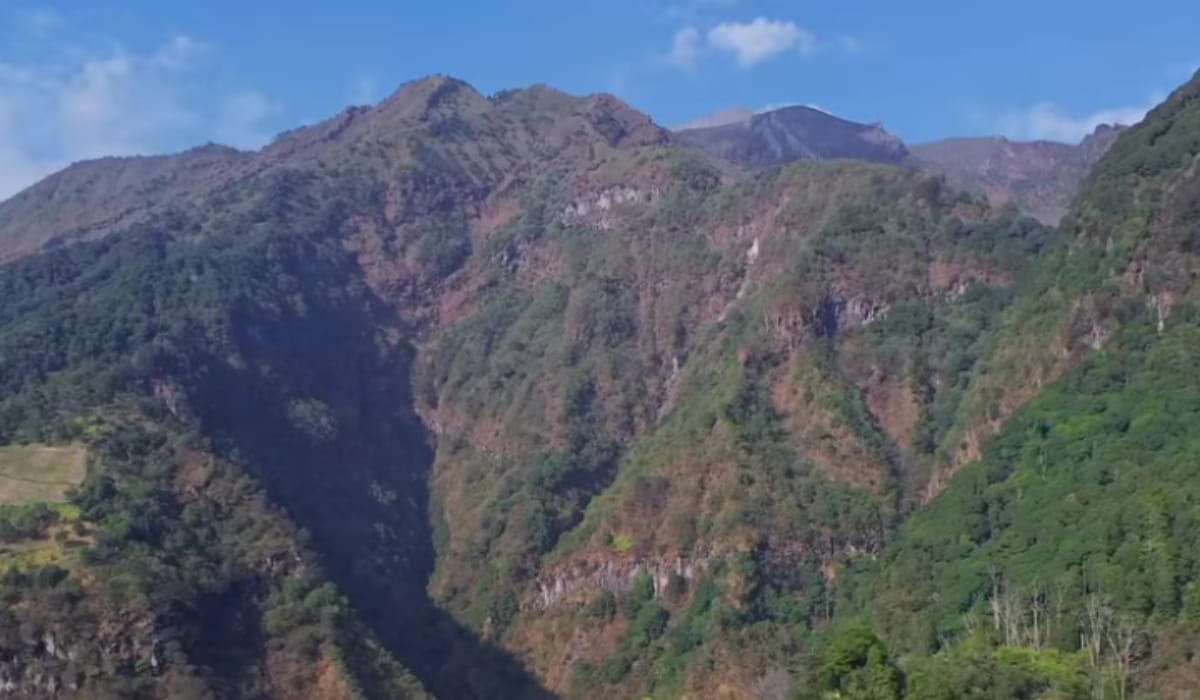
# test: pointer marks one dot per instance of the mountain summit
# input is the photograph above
(794, 133)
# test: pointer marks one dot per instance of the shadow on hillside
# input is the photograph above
(350, 462)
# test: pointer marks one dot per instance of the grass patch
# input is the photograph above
(623, 544)
(38, 473)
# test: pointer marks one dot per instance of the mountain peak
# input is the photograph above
(419, 98)
(794, 133)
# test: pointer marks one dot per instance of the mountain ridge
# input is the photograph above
(1039, 177)
(49, 213)
(536, 401)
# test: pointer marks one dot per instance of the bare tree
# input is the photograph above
(1096, 618)
(997, 587)
(1037, 608)
(1121, 637)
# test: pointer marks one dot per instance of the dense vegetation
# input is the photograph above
(648, 424)
(244, 328)
(1061, 564)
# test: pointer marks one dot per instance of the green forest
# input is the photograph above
(473, 397)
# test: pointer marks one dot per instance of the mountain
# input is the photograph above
(1039, 177)
(1064, 530)
(91, 198)
(524, 396)
(792, 134)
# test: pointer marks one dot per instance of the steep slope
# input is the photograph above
(1039, 177)
(1071, 532)
(153, 347)
(575, 289)
(651, 380)
(516, 396)
(794, 133)
(268, 323)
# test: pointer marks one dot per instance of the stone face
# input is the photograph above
(598, 209)
(582, 580)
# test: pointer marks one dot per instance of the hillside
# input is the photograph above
(1040, 178)
(93, 198)
(520, 396)
(1068, 531)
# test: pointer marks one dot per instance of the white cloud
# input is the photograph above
(241, 121)
(108, 103)
(1046, 121)
(749, 43)
(17, 167)
(78, 103)
(685, 47)
(753, 42)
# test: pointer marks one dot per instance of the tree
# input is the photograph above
(857, 664)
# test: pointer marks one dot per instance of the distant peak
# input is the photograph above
(431, 82)
(792, 133)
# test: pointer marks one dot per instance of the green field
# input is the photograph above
(37, 473)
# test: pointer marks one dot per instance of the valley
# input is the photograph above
(525, 396)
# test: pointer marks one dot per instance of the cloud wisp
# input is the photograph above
(685, 48)
(241, 121)
(110, 101)
(751, 43)
(1049, 122)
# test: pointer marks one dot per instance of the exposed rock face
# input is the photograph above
(596, 209)
(582, 579)
(50, 663)
(952, 278)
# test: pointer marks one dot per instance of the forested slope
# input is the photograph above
(510, 395)
(1062, 560)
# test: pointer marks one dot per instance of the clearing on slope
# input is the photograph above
(39, 473)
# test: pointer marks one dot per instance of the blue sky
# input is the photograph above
(84, 78)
